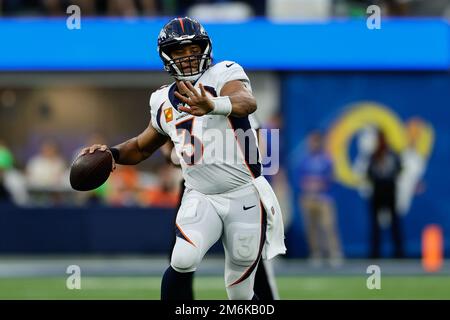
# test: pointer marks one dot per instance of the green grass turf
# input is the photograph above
(304, 287)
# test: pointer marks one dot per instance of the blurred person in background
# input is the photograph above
(358, 8)
(134, 8)
(131, 8)
(165, 194)
(393, 8)
(18, 7)
(123, 187)
(116, 8)
(59, 7)
(414, 164)
(46, 169)
(382, 173)
(317, 204)
(13, 184)
(6, 163)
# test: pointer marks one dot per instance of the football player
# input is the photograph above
(265, 286)
(225, 196)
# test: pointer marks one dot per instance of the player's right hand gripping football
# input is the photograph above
(101, 147)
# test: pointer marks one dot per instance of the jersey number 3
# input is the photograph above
(192, 149)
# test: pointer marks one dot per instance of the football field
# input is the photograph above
(212, 287)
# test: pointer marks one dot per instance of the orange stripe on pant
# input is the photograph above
(185, 237)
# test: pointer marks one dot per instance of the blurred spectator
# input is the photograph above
(6, 162)
(383, 171)
(166, 193)
(125, 8)
(47, 169)
(397, 8)
(358, 8)
(280, 9)
(13, 186)
(258, 6)
(149, 7)
(299, 9)
(430, 8)
(93, 138)
(59, 7)
(124, 187)
(316, 174)
(53, 7)
(366, 143)
(133, 8)
(87, 7)
(414, 163)
(221, 11)
(17, 7)
(119, 8)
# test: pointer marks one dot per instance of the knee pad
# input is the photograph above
(185, 257)
(243, 242)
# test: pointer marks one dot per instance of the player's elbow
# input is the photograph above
(244, 107)
(252, 105)
(249, 106)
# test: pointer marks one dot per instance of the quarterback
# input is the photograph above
(226, 197)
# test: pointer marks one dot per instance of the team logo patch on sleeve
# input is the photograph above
(168, 114)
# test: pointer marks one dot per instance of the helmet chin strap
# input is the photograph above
(188, 78)
(202, 61)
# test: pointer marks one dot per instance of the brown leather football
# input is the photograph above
(90, 170)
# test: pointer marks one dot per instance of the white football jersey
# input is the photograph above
(217, 153)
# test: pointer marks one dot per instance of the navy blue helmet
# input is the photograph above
(182, 31)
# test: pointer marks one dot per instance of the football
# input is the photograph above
(90, 170)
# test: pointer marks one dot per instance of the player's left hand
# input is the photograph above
(199, 103)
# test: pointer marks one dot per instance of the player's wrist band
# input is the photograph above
(222, 106)
(115, 153)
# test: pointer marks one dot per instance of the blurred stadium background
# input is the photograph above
(313, 65)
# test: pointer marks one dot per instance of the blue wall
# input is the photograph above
(130, 44)
(328, 100)
(95, 230)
